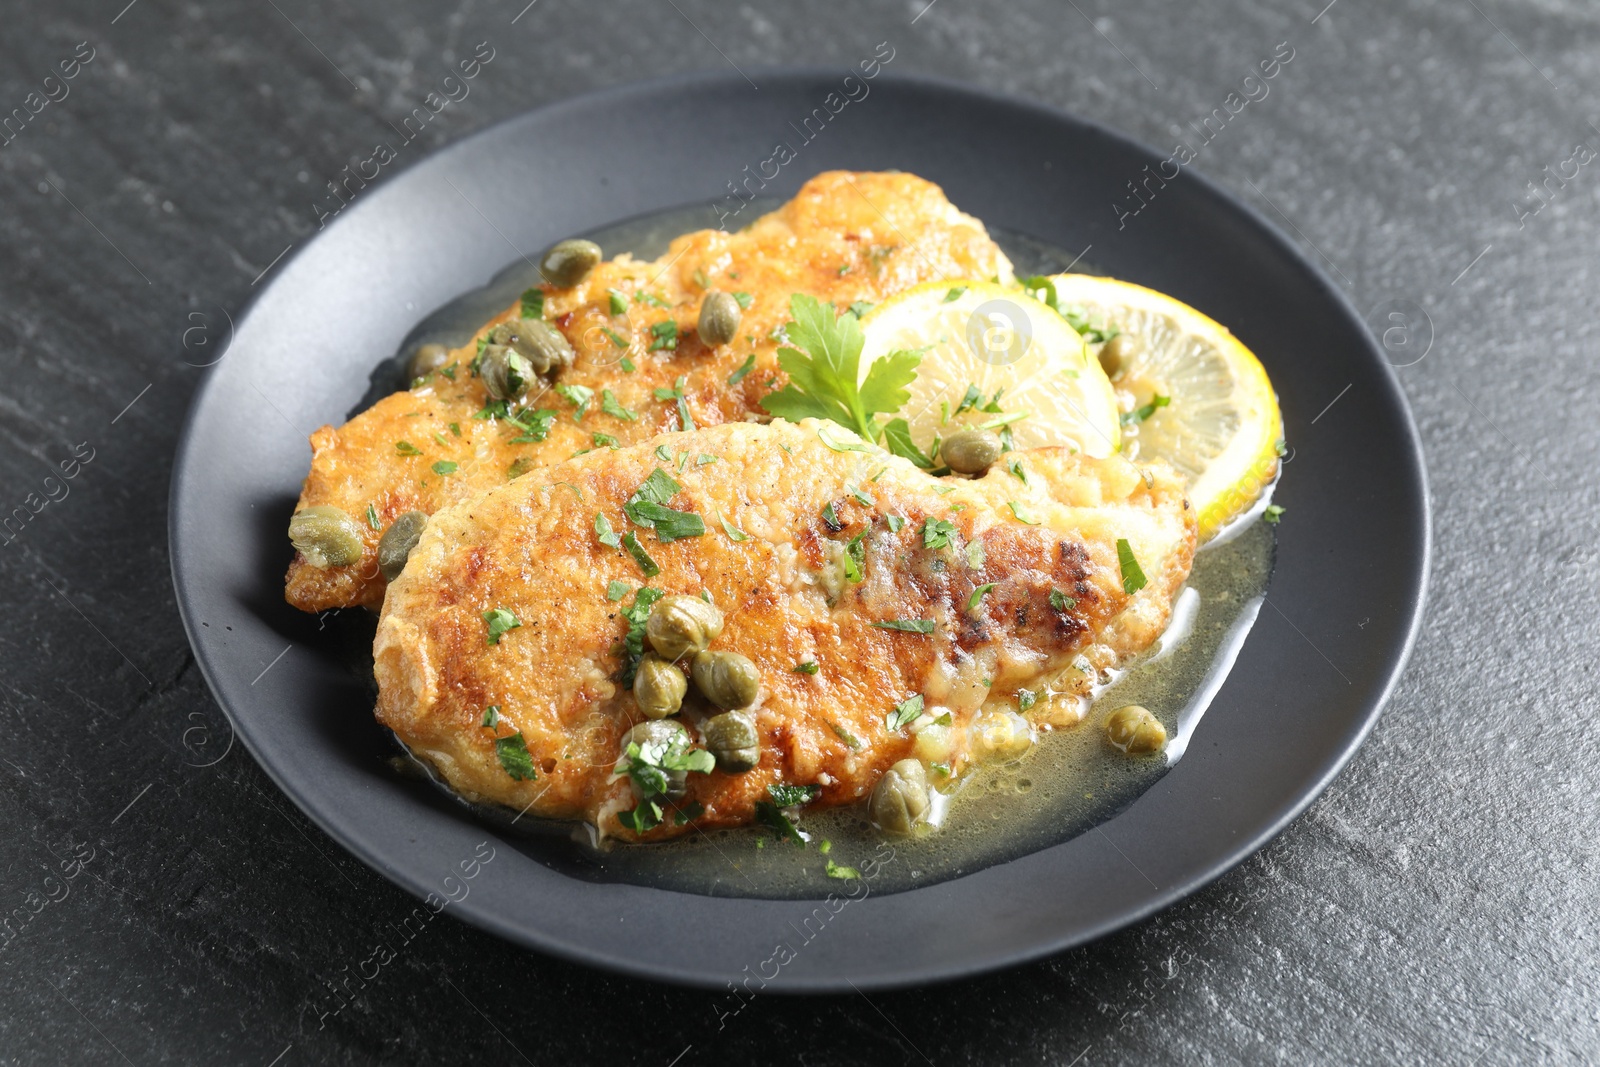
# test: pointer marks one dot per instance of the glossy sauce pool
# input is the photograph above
(1070, 781)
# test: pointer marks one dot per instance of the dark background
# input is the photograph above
(1438, 904)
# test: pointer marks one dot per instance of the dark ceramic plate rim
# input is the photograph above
(855, 959)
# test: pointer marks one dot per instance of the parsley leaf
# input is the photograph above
(637, 614)
(515, 760)
(909, 626)
(809, 666)
(685, 420)
(1061, 601)
(905, 711)
(744, 300)
(789, 796)
(840, 871)
(1139, 414)
(823, 378)
(1133, 578)
(1022, 513)
(372, 518)
(616, 590)
(954, 294)
(855, 558)
(406, 448)
(602, 527)
(642, 819)
(665, 334)
(533, 304)
(895, 522)
(1018, 471)
(978, 594)
(613, 337)
(579, 395)
(851, 740)
(733, 532)
(609, 405)
(535, 426)
(619, 303)
(640, 556)
(500, 621)
(897, 439)
(769, 815)
(604, 440)
(444, 466)
(1272, 514)
(744, 368)
(652, 299)
(669, 525)
(936, 533)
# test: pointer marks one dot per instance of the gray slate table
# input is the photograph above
(1439, 904)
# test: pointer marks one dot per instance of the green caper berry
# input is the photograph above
(679, 625)
(427, 359)
(394, 548)
(971, 451)
(733, 739)
(569, 262)
(727, 679)
(544, 347)
(1116, 354)
(659, 687)
(326, 536)
(1134, 731)
(900, 799)
(719, 318)
(505, 373)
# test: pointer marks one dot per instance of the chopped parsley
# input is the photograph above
(1144, 411)
(406, 448)
(704, 459)
(500, 622)
(978, 594)
(831, 517)
(975, 553)
(685, 420)
(1018, 471)
(648, 508)
(455, 428)
(637, 614)
(640, 556)
(1133, 578)
(535, 425)
(909, 626)
(823, 379)
(905, 712)
(744, 368)
(861, 307)
(665, 334)
(646, 766)
(613, 337)
(1270, 516)
(855, 558)
(1026, 698)
(616, 590)
(604, 440)
(733, 532)
(744, 300)
(372, 518)
(619, 303)
(839, 445)
(652, 299)
(519, 466)
(609, 405)
(851, 740)
(1022, 513)
(789, 796)
(1061, 601)
(809, 666)
(580, 395)
(627, 365)
(862, 498)
(700, 279)
(533, 304)
(936, 533)
(895, 522)
(444, 466)
(663, 453)
(840, 871)
(953, 295)
(602, 527)
(770, 815)
(897, 439)
(515, 760)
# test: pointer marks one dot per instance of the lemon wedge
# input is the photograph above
(996, 358)
(1189, 392)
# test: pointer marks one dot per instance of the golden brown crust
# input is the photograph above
(845, 237)
(531, 548)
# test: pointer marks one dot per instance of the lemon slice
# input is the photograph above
(979, 339)
(1220, 426)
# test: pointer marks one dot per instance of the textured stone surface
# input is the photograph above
(1437, 905)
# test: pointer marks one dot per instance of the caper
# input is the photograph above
(719, 318)
(679, 625)
(971, 451)
(1135, 731)
(569, 262)
(659, 687)
(427, 359)
(732, 738)
(394, 548)
(900, 799)
(505, 373)
(727, 679)
(326, 536)
(1117, 354)
(541, 344)
(659, 732)
(998, 735)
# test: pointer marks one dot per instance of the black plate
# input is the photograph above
(1346, 598)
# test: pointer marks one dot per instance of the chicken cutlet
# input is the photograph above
(637, 368)
(887, 615)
